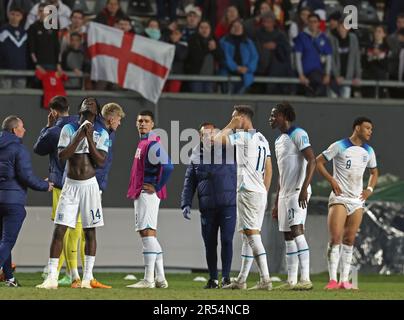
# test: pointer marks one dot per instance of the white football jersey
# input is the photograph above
(349, 164)
(100, 137)
(252, 150)
(291, 162)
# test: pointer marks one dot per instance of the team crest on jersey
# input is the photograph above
(60, 216)
(137, 154)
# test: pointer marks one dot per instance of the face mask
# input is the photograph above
(154, 34)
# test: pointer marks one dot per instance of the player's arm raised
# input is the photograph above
(374, 174)
(98, 156)
(308, 154)
(322, 170)
(223, 136)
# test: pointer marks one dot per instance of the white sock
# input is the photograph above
(53, 268)
(88, 267)
(149, 257)
(160, 276)
(260, 255)
(74, 274)
(292, 261)
(247, 259)
(333, 254)
(304, 257)
(346, 260)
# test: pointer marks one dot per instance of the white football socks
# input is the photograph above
(247, 259)
(333, 254)
(304, 257)
(53, 268)
(160, 276)
(346, 260)
(149, 257)
(88, 267)
(74, 274)
(292, 261)
(260, 255)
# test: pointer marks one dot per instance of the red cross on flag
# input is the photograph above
(132, 61)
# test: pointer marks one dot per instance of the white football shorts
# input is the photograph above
(290, 213)
(250, 209)
(350, 204)
(146, 211)
(80, 196)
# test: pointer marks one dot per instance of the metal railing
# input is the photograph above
(377, 84)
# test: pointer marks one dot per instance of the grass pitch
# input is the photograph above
(181, 287)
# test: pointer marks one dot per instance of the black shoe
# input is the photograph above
(12, 283)
(212, 284)
(225, 282)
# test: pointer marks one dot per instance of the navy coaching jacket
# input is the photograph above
(16, 171)
(216, 183)
(47, 144)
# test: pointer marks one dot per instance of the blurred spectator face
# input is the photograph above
(173, 25)
(232, 14)
(15, 17)
(237, 28)
(400, 23)
(205, 29)
(401, 39)
(41, 13)
(77, 20)
(314, 24)
(264, 8)
(269, 24)
(193, 20)
(113, 6)
(75, 42)
(304, 16)
(379, 34)
(333, 24)
(124, 25)
(175, 36)
(153, 25)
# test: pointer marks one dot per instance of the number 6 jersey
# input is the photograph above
(349, 164)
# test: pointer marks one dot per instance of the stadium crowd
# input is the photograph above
(269, 38)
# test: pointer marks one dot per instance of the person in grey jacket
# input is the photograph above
(346, 61)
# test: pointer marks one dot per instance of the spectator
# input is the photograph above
(166, 31)
(24, 5)
(74, 59)
(392, 40)
(317, 7)
(253, 24)
(181, 52)
(396, 65)
(204, 54)
(194, 15)
(152, 29)
(13, 49)
(43, 44)
(214, 10)
(313, 55)
(333, 22)
(75, 5)
(280, 8)
(274, 53)
(393, 9)
(375, 66)
(346, 60)
(77, 26)
(300, 24)
(110, 14)
(223, 27)
(64, 13)
(167, 9)
(240, 57)
(125, 24)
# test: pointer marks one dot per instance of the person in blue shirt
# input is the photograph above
(216, 182)
(313, 53)
(16, 176)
